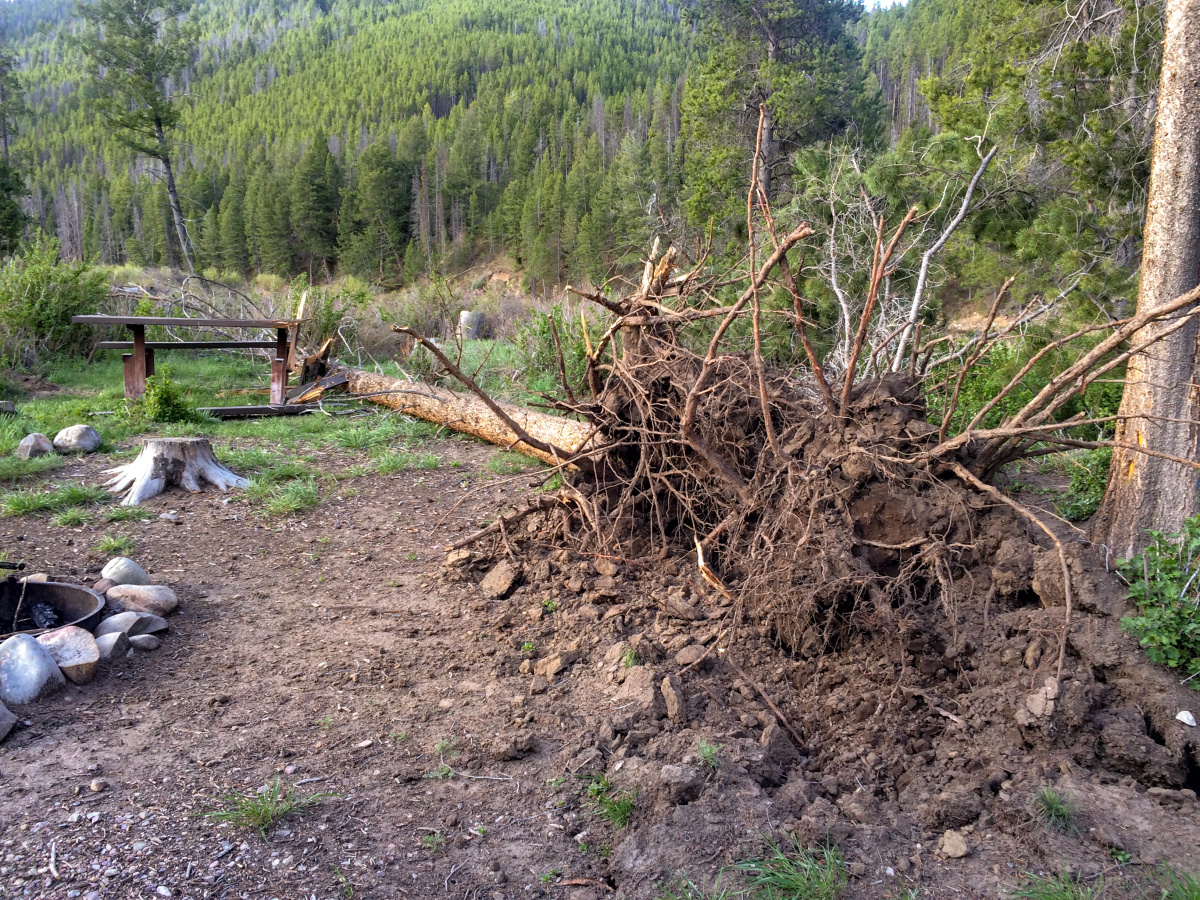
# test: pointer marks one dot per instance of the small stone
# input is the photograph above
(131, 623)
(112, 646)
(7, 721)
(122, 570)
(500, 580)
(8, 408)
(97, 785)
(954, 845)
(1186, 718)
(27, 671)
(144, 642)
(672, 689)
(457, 559)
(682, 783)
(641, 691)
(77, 439)
(539, 685)
(36, 578)
(555, 663)
(605, 566)
(169, 518)
(363, 745)
(515, 747)
(154, 599)
(163, 891)
(34, 445)
(857, 869)
(74, 650)
(690, 655)
(104, 585)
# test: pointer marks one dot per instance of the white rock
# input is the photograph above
(7, 721)
(1186, 718)
(121, 570)
(77, 439)
(113, 646)
(150, 598)
(27, 671)
(75, 651)
(32, 445)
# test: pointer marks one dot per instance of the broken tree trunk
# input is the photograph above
(165, 461)
(469, 414)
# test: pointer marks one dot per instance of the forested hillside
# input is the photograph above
(393, 139)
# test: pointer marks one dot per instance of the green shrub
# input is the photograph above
(38, 296)
(539, 354)
(1164, 582)
(1089, 479)
(165, 400)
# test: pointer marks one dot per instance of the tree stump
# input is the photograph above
(186, 462)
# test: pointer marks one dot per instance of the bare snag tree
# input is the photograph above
(1160, 408)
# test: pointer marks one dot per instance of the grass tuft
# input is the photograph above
(115, 545)
(612, 805)
(127, 514)
(263, 808)
(70, 518)
(291, 498)
(14, 469)
(1054, 810)
(1177, 885)
(1058, 887)
(796, 872)
(392, 462)
(710, 754)
(507, 462)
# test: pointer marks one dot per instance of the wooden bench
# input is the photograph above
(139, 364)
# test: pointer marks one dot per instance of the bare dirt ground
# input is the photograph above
(458, 734)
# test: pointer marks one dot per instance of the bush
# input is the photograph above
(1089, 479)
(1163, 583)
(164, 400)
(38, 296)
(539, 354)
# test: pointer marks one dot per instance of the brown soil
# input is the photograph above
(335, 651)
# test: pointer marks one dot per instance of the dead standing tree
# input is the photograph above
(823, 495)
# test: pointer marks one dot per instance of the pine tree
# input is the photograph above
(231, 227)
(314, 205)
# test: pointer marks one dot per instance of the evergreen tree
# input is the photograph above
(231, 227)
(314, 205)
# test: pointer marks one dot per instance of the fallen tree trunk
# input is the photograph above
(470, 415)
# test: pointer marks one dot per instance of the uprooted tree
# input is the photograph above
(824, 496)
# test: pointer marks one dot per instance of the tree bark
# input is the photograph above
(469, 414)
(176, 211)
(1146, 492)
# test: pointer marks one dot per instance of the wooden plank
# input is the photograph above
(253, 412)
(183, 322)
(189, 345)
(135, 369)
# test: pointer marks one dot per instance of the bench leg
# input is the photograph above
(135, 364)
(279, 380)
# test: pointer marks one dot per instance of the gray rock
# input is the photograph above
(145, 642)
(500, 580)
(682, 783)
(27, 671)
(7, 721)
(77, 439)
(690, 654)
(150, 598)
(8, 408)
(102, 586)
(33, 445)
(672, 689)
(131, 623)
(121, 570)
(112, 646)
(74, 650)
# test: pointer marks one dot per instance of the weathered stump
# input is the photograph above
(187, 462)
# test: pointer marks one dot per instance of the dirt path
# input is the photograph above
(330, 650)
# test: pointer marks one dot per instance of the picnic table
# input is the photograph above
(140, 363)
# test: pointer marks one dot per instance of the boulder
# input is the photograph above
(27, 671)
(74, 650)
(151, 598)
(145, 641)
(113, 646)
(7, 721)
(120, 570)
(34, 445)
(131, 623)
(500, 580)
(77, 439)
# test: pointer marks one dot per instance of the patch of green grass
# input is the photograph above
(70, 518)
(1057, 887)
(14, 469)
(392, 462)
(443, 771)
(81, 494)
(629, 659)
(22, 503)
(795, 872)
(115, 545)
(507, 462)
(249, 459)
(1177, 885)
(1054, 810)
(615, 806)
(344, 883)
(1089, 479)
(446, 746)
(351, 472)
(127, 514)
(433, 842)
(263, 808)
(550, 606)
(291, 498)
(710, 754)
(527, 647)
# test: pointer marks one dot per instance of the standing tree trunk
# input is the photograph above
(164, 157)
(1162, 396)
